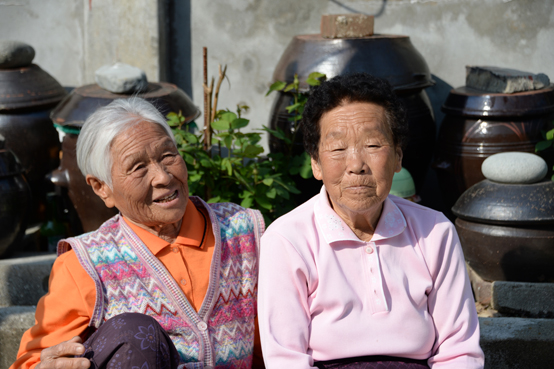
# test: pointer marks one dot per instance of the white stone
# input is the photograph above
(514, 167)
(121, 78)
(15, 54)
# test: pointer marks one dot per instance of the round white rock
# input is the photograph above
(514, 167)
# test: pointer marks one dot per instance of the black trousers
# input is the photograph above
(373, 362)
(131, 341)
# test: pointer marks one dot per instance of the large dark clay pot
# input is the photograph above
(392, 57)
(507, 230)
(14, 201)
(27, 95)
(479, 124)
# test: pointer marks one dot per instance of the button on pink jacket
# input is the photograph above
(324, 294)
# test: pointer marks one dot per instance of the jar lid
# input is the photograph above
(466, 101)
(507, 204)
(28, 86)
(76, 107)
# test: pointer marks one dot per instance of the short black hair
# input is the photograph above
(358, 87)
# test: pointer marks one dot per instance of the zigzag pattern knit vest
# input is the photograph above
(129, 278)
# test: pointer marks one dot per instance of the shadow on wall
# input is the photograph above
(346, 7)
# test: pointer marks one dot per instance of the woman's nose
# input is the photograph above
(355, 163)
(161, 176)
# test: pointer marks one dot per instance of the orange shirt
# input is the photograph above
(65, 311)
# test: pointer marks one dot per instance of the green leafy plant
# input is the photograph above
(547, 142)
(297, 164)
(226, 164)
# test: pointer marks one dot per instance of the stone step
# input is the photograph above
(14, 321)
(517, 343)
(24, 280)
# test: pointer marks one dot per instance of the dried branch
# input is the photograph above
(216, 95)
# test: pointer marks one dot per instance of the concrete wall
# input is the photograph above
(73, 38)
(250, 36)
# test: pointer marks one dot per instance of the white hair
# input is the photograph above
(104, 125)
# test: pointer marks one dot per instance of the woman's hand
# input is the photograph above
(62, 355)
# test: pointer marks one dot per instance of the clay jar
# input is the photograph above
(507, 230)
(27, 95)
(71, 114)
(392, 57)
(479, 124)
(14, 197)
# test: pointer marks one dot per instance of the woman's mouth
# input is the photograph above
(168, 198)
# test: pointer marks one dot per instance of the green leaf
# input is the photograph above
(251, 151)
(316, 75)
(542, 145)
(313, 82)
(278, 133)
(228, 141)
(276, 86)
(306, 168)
(268, 181)
(247, 202)
(206, 163)
(550, 135)
(292, 107)
(263, 202)
(226, 163)
(213, 200)
(178, 139)
(191, 138)
(220, 125)
(289, 87)
(228, 116)
(239, 123)
(271, 193)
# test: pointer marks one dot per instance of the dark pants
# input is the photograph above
(131, 341)
(373, 362)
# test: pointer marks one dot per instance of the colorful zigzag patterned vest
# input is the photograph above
(129, 278)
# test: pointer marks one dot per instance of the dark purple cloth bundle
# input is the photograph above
(131, 341)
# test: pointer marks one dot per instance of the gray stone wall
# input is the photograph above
(73, 38)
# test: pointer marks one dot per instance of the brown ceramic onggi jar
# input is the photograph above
(507, 230)
(14, 200)
(392, 57)
(479, 124)
(27, 95)
(71, 114)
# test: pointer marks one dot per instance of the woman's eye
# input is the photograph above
(138, 167)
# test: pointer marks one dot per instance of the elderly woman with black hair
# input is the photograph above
(169, 282)
(356, 278)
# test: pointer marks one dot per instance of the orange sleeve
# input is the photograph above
(64, 312)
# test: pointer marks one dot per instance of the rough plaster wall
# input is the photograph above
(122, 31)
(250, 36)
(54, 28)
(73, 38)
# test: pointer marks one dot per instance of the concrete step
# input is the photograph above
(517, 343)
(14, 321)
(24, 280)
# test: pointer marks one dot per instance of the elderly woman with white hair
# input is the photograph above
(169, 282)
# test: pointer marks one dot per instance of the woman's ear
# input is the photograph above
(316, 169)
(101, 189)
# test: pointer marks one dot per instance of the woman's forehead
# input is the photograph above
(353, 118)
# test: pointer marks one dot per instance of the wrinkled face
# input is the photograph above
(149, 177)
(357, 157)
